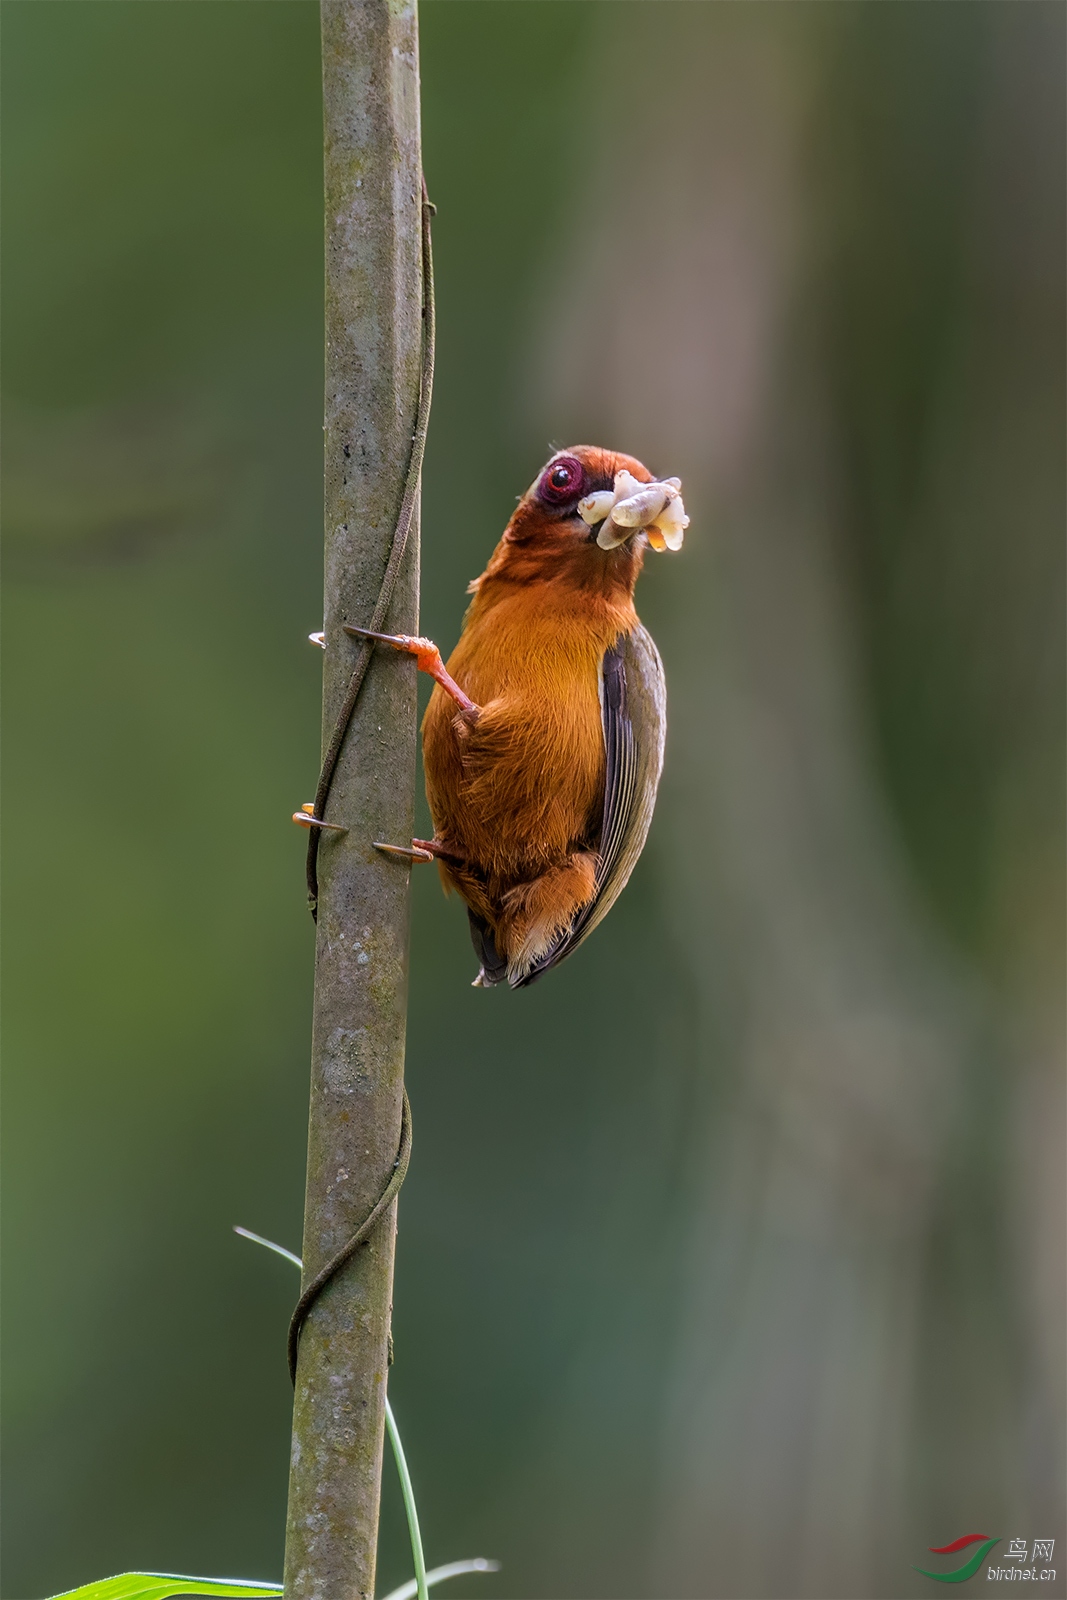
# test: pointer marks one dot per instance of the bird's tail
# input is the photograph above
(494, 967)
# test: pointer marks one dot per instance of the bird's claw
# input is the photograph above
(415, 853)
(306, 818)
(401, 641)
(421, 850)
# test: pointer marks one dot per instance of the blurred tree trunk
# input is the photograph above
(856, 1372)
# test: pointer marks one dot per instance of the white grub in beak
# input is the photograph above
(626, 485)
(595, 507)
(655, 508)
(611, 535)
(639, 510)
(614, 531)
(671, 524)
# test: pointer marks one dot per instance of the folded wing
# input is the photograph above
(633, 707)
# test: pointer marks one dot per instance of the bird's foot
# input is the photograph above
(427, 658)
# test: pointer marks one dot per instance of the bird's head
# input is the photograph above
(589, 515)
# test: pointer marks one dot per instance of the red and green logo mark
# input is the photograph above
(970, 1567)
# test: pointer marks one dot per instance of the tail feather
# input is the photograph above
(494, 967)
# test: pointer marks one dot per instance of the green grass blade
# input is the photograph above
(451, 1569)
(268, 1244)
(158, 1585)
(409, 1503)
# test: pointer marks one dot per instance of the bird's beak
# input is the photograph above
(655, 509)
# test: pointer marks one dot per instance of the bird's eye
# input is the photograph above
(562, 480)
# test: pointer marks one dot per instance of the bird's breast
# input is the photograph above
(525, 784)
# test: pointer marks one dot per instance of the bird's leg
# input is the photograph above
(428, 659)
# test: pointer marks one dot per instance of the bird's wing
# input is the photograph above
(633, 708)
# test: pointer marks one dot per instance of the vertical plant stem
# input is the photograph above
(372, 171)
(409, 1502)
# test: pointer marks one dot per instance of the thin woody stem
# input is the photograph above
(375, 416)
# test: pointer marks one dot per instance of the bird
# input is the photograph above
(544, 735)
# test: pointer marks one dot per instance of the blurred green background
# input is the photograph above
(731, 1258)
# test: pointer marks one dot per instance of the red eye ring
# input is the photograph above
(562, 480)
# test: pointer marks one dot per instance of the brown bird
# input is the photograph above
(543, 739)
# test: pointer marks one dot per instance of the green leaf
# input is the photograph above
(158, 1585)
